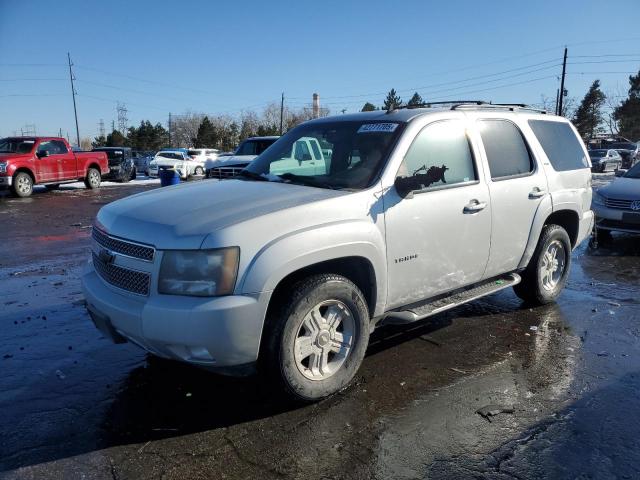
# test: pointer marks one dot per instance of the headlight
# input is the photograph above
(3, 168)
(199, 273)
(598, 199)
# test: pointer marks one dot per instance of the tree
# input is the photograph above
(628, 113)
(86, 143)
(100, 141)
(116, 139)
(415, 100)
(392, 101)
(207, 135)
(147, 136)
(588, 117)
(368, 107)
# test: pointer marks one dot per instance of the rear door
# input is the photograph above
(517, 185)
(66, 159)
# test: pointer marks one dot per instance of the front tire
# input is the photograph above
(198, 171)
(317, 340)
(22, 185)
(92, 180)
(548, 270)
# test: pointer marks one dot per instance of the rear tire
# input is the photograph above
(548, 270)
(199, 171)
(134, 174)
(92, 180)
(317, 340)
(22, 185)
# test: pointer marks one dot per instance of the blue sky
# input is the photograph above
(214, 57)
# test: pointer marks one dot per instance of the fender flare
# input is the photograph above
(348, 239)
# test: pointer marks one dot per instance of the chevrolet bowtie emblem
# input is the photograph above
(106, 256)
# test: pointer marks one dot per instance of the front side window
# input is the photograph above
(507, 152)
(560, 144)
(351, 154)
(440, 155)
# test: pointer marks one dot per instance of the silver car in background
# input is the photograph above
(603, 160)
(617, 205)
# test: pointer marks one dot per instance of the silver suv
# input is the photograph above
(289, 268)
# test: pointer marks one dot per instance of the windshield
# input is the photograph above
(16, 145)
(329, 155)
(633, 172)
(597, 153)
(171, 155)
(195, 153)
(255, 147)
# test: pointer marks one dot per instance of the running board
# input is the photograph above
(426, 309)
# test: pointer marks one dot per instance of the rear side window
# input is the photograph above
(560, 144)
(507, 152)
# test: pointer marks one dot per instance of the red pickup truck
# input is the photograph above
(49, 161)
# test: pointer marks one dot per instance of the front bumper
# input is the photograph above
(212, 332)
(6, 182)
(617, 219)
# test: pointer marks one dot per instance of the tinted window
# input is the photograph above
(439, 155)
(316, 150)
(507, 153)
(560, 144)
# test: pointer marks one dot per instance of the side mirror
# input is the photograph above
(42, 153)
(404, 186)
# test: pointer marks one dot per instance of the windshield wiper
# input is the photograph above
(251, 175)
(305, 180)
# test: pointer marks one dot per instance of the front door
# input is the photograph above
(46, 162)
(438, 238)
(517, 186)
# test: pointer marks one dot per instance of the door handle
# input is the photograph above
(537, 193)
(474, 206)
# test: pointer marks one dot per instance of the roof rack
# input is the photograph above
(455, 104)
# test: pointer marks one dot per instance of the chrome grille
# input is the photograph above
(123, 247)
(222, 173)
(619, 204)
(130, 280)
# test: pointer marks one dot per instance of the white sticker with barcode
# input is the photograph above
(378, 128)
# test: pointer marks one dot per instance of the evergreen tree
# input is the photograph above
(628, 113)
(116, 139)
(207, 135)
(100, 141)
(392, 101)
(368, 107)
(588, 117)
(415, 100)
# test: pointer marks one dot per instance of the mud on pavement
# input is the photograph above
(563, 382)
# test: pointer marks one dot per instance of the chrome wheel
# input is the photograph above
(23, 185)
(94, 178)
(199, 171)
(324, 340)
(553, 265)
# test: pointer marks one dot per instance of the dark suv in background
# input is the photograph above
(121, 164)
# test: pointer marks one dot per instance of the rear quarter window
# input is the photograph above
(560, 144)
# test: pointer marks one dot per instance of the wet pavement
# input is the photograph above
(73, 405)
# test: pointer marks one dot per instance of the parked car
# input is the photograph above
(230, 165)
(122, 167)
(627, 158)
(603, 160)
(141, 160)
(617, 205)
(49, 161)
(415, 212)
(201, 155)
(178, 159)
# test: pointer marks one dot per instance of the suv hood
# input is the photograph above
(181, 217)
(622, 188)
(235, 160)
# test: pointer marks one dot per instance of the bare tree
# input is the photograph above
(85, 143)
(184, 128)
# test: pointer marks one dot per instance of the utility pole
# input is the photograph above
(73, 94)
(557, 99)
(281, 112)
(564, 71)
(170, 129)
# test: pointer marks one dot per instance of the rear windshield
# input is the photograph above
(171, 155)
(597, 153)
(255, 147)
(560, 144)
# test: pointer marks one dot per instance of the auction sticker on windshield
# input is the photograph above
(378, 128)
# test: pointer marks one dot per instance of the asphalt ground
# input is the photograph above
(563, 380)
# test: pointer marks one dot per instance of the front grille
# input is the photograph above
(130, 280)
(618, 204)
(129, 249)
(222, 173)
